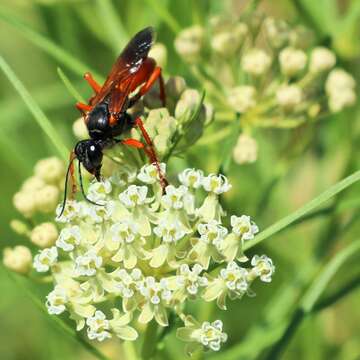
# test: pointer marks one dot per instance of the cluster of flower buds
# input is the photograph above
(143, 254)
(266, 71)
(36, 201)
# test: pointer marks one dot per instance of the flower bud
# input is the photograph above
(292, 61)
(189, 43)
(18, 259)
(175, 86)
(314, 110)
(32, 184)
(224, 43)
(188, 102)
(277, 32)
(19, 227)
(159, 53)
(256, 62)
(44, 235)
(46, 199)
(79, 129)
(245, 150)
(51, 170)
(339, 80)
(242, 98)
(341, 99)
(289, 96)
(24, 203)
(321, 59)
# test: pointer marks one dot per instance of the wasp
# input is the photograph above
(105, 114)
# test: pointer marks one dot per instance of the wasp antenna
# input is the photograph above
(65, 190)
(82, 187)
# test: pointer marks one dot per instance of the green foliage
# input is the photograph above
(311, 256)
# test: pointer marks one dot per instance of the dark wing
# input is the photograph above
(118, 82)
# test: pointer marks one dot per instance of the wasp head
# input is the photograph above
(89, 152)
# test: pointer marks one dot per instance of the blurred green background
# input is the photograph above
(94, 32)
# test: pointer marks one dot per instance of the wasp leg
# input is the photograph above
(92, 82)
(83, 107)
(72, 175)
(154, 75)
(151, 152)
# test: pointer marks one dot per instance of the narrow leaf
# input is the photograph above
(38, 114)
(311, 205)
(47, 45)
(69, 86)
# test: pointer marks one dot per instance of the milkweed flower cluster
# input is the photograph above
(145, 253)
(266, 71)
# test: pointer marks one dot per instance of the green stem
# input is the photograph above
(308, 207)
(150, 341)
(129, 350)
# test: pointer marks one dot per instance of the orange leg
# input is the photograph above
(155, 75)
(150, 151)
(72, 175)
(92, 82)
(83, 107)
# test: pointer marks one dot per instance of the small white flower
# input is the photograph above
(56, 300)
(71, 211)
(98, 326)
(263, 267)
(191, 178)
(322, 59)
(45, 259)
(99, 190)
(235, 278)
(244, 227)
(170, 231)
(97, 213)
(256, 62)
(134, 196)
(127, 282)
(149, 174)
(212, 233)
(173, 198)
(190, 279)
(123, 231)
(155, 291)
(217, 184)
(211, 335)
(292, 61)
(69, 238)
(87, 264)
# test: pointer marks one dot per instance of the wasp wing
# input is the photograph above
(118, 83)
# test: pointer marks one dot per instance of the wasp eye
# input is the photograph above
(94, 155)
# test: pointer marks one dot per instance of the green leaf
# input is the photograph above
(311, 205)
(160, 8)
(321, 282)
(69, 86)
(112, 24)
(38, 114)
(47, 45)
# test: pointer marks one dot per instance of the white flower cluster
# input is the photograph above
(151, 252)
